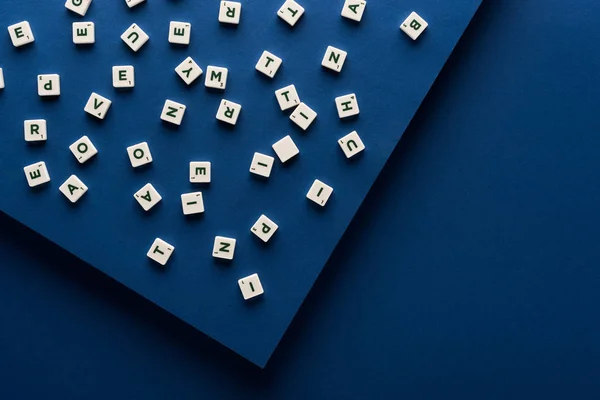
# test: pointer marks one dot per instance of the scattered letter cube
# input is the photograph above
(262, 165)
(286, 149)
(230, 12)
(224, 248)
(133, 3)
(192, 203)
(200, 172)
(83, 149)
(49, 85)
(123, 76)
(37, 174)
(188, 70)
(319, 193)
(173, 112)
(148, 197)
(414, 26)
(180, 32)
(287, 97)
(303, 116)
(21, 34)
(264, 228)
(97, 106)
(334, 59)
(347, 106)
(229, 112)
(135, 37)
(290, 12)
(84, 33)
(139, 154)
(216, 77)
(351, 144)
(268, 64)
(160, 251)
(250, 286)
(354, 9)
(35, 130)
(73, 189)
(78, 6)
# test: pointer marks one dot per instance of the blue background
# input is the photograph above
(471, 271)
(389, 73)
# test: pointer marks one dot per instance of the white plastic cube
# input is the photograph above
(21, 34)
(303, 116)
(1, 79)
(97, 106)
(216, 77)
(200, 172)
(160, 251)
(334, 59)
(229, 112)
(37, 174)
(73, 189)
(135, 37)
(78, 6)
(133, 3)
(354, 9)
(347, 106)
(319, 192)
(264, 228)
(224, 248)
(230, 12)
(148, 197)
(286, 149)
(84, 33)
(351, 144)
(262, 165)
(180, 32)
(35, 130)
(188, 70)
(192, 203)
(173, 112)
(48, 85)
(287, 97)
(123, 76)
(290, 12)
(414, 26)
(250, 286)
(268, 64)
(83, 149)
(139, 154)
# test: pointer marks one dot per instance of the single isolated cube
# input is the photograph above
(133, 3)
(180, 32)
(303, 116)
(230, 12)
(319, 193)
(347, 106)
(250, 286)
(414, 26)
(173, 112)
(148, 197)
(188, 70)
(78, 6)
(123, 76)
(84, 33)
(286, 149)
(35, 130)
(192, 203)
(354, 9)
(83, 149)
(135, 37)
(334, 59)
(268, 64)
(1, 79)
(73, 189)
(37, 174)
(21, 34)
(49, 85)
(290, 12)
(139, 154)
(264, 228)
(287, 97)
(216, 77)
(200, 172)
(351, 144)
(262, 165)
(160, 251)
(97, 106)
(224, 248)
(229, 112)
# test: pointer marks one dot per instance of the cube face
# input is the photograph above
(84, 33)
(173, 112)
(319, 193)
(262, 165)
(97, 106)
(230, 12)
(35, 130)
(216, 77)
(160, 251)
(21, 34)
(290, 12)
(37, 174)
(286, 149)
(200, 172)
(123, 76)
(268, 64)
(192, 203)
(180, 32)
(250, 286)
(229, 112)
(188, 70)
(48, 85)
(303, 116)
(264, 228)
(73, 189)
(347, 106)
(287, 97)
(78, 6)
(334, 59)
(351, 144)
(139, 154)
(354, 9)
(1, 79)
(133, 3)
(83, 149)
(135, 37)
(224, 248)
(148, 197)
(414, 26)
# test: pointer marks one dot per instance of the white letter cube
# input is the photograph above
(37, 174)
(35, 130)
(347, 106)
(319, 193)
(97, 106)
(230, 12)
(200, 172)
(148, 197)
(250, 286)
(135, 37)
(264, 228)
(180, 32)
(78, 6)
(192, 203)
(173, 112)
(139, 154)
(21, 34)
(414, 26)
(83, 149)
(268, 64)
(160, 251)
(123, 76)
(49, 85)
(262, 165)
(287, 97)
(351, 144)
(354, 9)
(290, 12)
(303, 116)
(286, 149)
(229, 112)
(84, 33)
(188, 70)
(334, 59)
(73, 189)
(224, 248)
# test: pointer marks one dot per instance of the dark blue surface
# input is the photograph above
(476, 257)
(390, 74)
